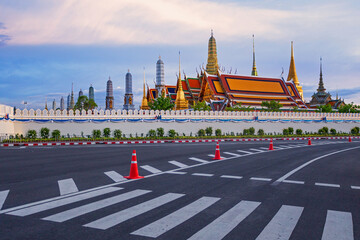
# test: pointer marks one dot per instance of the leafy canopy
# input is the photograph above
(273, 106)
(161, 103)
(84, 103)
(201, 106)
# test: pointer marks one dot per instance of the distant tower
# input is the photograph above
(292, 73)
(128, 98)
(54, 105)
(91, 93)
(72, 102)
(62, 104)
(160, 77)
(109, 104)
(46, 104)
(254, 70)
(321, 87)
(68, 102)
(144, 103)
(81, 93)
(180, 102)
(212, 62)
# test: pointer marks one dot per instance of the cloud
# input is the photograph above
(3, 37)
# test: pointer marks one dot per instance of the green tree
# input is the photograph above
(55, 134)
(252, 131)
(201, 106)
(239, 107)
(333, 131)
(161, 103)
(273, 106)
(246, 132)
(201, 133)
(84, 103)
(299, 131)
(285, 131)
(106, 132)
(172, 133)
(44, 133)
(355, 130)
(31, 134)
(209, 131)
(324, 108)
(261, 132)
(160, 132)
(291, 130)
(96, 133)
(218, 132)
(117, 133)
(152, 133)
(326, 130)
(348, 108)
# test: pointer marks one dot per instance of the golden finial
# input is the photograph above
(254, 70)
(180, 102)
(144, 104)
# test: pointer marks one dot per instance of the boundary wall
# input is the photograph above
(187, 122)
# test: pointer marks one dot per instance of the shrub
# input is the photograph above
(55, 134)
(96, 133)
(201, 133)
(209, 131)
(172, 133)
(285, 131)
(218, 132)
(252, 131)
(299, 132)
(355, 130)
(321, 131)
(117, 133)
(291, 131)
(246, 132)
(326, 130)
(261, 132)
(152, 133)
(31, 134)
(160, 132)
(106, 132)
(44, 133)
(333, 131)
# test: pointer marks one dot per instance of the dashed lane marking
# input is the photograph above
(246, 152)
(338, 226)
(294, 182)
(67, 186)
(178, 164)
(198, 160)
(261, 179)
(175, 172)
(355, 187)
(151, 169)
(327, 185)
(230, 176)
(116, 177)
(232, 154)
(3, 196)
(203, 174)
(256, 150)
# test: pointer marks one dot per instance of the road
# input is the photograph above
(78, 192)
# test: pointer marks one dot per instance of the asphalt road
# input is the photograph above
(78, 192)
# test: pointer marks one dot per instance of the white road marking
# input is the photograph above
(264, 148)
(116, 177)
(61, 202)
(327, 185)
(221, 226)
(198, 160)
(150, 169)
(203, 174)
(230, 176)
(282, 224)
(256, 150)
(285, 146)
(309, 162)
(67, 186)
(3, 196)
(355, 187)
(76, 212)
(232, 154)
(211, 155)
(126, 214)
(173, 172)
(246, 152)
(292, 181)
(261, 179)
(178, 164)
(338, 226)
(174, 219)
(277, 147)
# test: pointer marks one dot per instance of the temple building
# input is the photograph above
(72, 101)
(109, 101)
(81, 93)
(54, 105)
(62, 104)
(91, 93)
(129, 97)
(180, 102)
(254, 70)
(160, 77)
(68, 102)
(321, 97)
(144, 103)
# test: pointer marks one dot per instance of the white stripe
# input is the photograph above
(338, 226)
(264, 148)
(211, 155)
(116, 177)
(61, 202)
(327, 185)
(233, 154)
(180, 173)
(285, 146)
(311, 161)
(198, 160)
(150, 169)
(75, 212)
(124, 215)
(178, 164)
(203, 174)
(221, 226)
(174, 219)
(230, 176)
(3, 196)
(244, 152)
(260, 179)
(355, 187)
(282, 224)
(67, 186)
(292, 181)
(256, 150)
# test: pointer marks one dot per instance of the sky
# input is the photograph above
(46, 45)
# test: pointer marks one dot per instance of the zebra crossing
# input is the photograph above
(337, 224)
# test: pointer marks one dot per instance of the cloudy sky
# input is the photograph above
(45, 45)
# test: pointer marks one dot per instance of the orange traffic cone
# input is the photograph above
(271, 147)
(349, 139)
(217, 152)
(309, 141)
(134, 174)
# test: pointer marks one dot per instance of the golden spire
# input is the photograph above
(212, 62)
(292, 72)
(144, 104)
(180, 102)
(254, 70)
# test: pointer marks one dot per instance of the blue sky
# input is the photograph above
(47, 45)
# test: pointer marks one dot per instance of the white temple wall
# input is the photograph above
(6, 127)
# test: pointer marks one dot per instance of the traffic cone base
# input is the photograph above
(349, 139)
(134, 173)
(309, 142)
(217, 152)
(271, 146)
